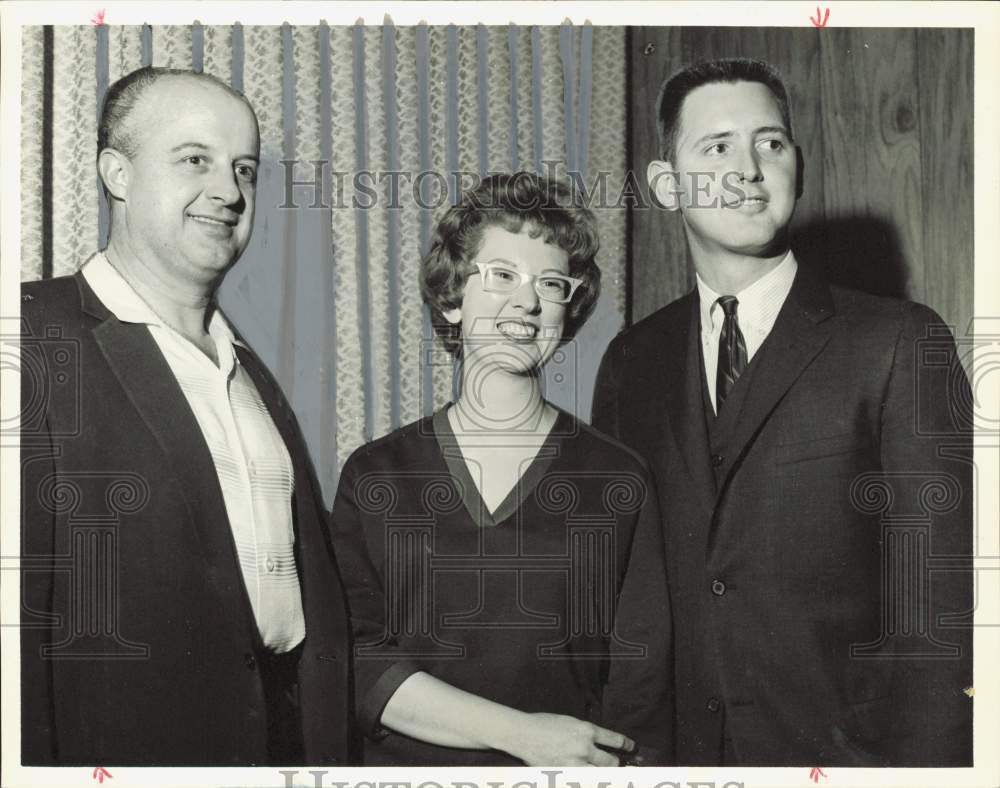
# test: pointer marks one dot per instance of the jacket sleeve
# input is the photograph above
(639, 693)
(604, 411)
(926, 456)
(37, 622)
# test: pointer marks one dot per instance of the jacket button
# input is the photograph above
(717, 460)
(713, 705)
(718, 587)
(250, 661)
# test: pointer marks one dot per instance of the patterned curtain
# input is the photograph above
(327, 292)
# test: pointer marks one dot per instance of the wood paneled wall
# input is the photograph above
(884, 120)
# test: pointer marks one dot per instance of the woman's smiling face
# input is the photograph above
(517, 330)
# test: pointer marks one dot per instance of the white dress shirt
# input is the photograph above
(251, 459)
(758, 308)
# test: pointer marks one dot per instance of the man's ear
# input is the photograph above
(115, 170)
(664, 184)
(800, 167)
(453, 316)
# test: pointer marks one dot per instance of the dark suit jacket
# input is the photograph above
(853, 420)
(138, 638)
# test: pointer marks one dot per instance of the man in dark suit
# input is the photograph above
(813, 461)
(180, 600)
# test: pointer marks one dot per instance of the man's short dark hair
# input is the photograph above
(546, 208)
(683, 82)
(114, 130)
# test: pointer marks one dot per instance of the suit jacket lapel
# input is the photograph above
(679, 362)
(154, 392)
(798, 335)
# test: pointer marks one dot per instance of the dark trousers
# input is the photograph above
(279, 673)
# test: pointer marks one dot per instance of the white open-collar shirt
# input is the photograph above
(252, 462)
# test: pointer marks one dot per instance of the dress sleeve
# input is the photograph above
(639, 693)
(378, 669)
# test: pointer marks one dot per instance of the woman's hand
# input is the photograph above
(428, 709)
(558, 740)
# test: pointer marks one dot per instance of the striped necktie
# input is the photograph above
(732, 352)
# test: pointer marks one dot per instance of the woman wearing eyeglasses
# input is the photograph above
(504, 562)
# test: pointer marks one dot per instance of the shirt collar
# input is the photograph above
(760, 302)
(127, 305)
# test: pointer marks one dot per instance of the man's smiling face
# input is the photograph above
(189, 201)
(737, 168)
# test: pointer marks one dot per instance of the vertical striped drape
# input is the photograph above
(327, 292)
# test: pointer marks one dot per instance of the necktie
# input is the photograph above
(732, 352)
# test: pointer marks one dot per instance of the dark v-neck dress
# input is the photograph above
(557, 602)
